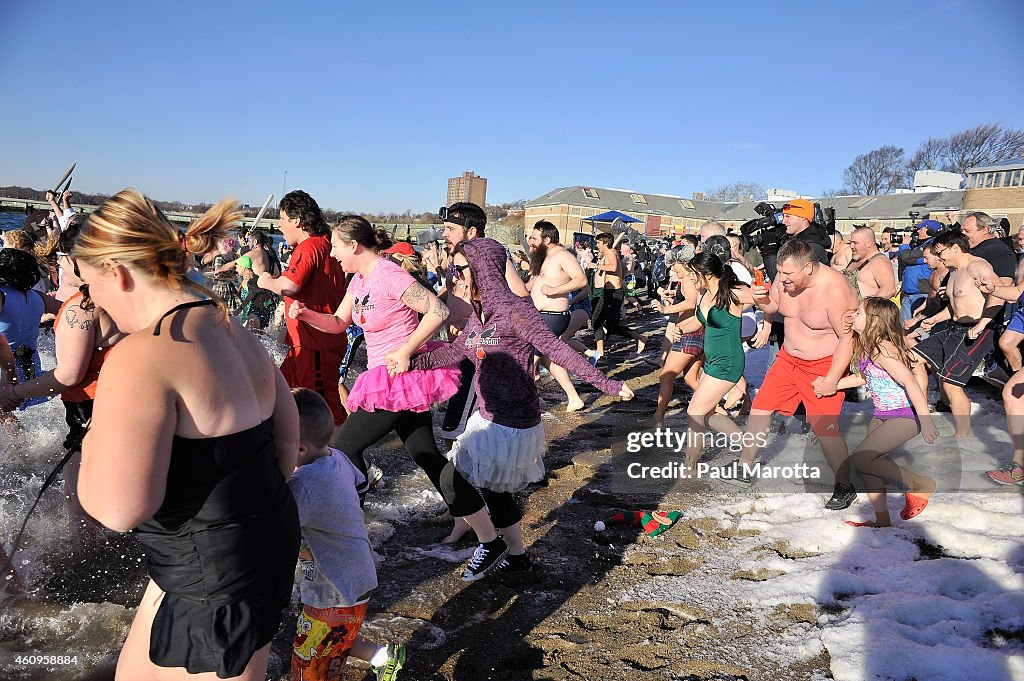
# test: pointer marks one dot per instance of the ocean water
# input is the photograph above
(17, 221)
(11, 221)
(81, 599)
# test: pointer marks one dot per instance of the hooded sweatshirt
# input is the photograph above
(501, 345)
(819, 242)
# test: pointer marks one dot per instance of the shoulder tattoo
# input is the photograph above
(71, 316)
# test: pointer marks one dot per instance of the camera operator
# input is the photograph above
(798, 217)
(897, 244)
(916, 273)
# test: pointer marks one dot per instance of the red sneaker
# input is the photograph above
(1009, 474)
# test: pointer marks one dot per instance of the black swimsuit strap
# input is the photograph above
(182, 306)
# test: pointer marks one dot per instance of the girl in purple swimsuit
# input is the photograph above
(884, 362)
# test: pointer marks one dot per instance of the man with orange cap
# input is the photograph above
(797, 216)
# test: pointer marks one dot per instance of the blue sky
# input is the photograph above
(371, 106)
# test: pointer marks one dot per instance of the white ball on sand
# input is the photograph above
(599, 526)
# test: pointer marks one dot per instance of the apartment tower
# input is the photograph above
(469, 187)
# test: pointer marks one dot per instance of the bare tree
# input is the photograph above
(829, 193)
(876, 172)
(933, 154)
(983, 145)
(737, 191)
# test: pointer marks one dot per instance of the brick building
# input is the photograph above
(996, 189)
(468, 187)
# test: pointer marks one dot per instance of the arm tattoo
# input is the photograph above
(415, 297)
(71, 317)
(439, 309)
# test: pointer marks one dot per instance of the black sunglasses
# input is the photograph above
(457, 271)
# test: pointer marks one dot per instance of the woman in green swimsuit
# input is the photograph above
(719, 314)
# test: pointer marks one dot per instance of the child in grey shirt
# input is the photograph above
(338, 572)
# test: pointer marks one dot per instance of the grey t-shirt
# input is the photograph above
(342, 571)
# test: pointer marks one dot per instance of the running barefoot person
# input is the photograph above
(727, 248)
(608, 279)
(955, 351)
(83, 335)
(194, 434)
(579, 318)
(719, 314)
(900, 406)
(502, 448)
(385, 301)
(686, 351)
(1012, 471)
(813, 299)
(555, 275)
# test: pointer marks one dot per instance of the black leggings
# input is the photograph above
(504, 510)
(607, 319)
(363, 428)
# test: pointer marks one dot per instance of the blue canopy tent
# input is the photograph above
(609, 217)
(613, 222)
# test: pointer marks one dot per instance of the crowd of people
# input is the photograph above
(231, 470)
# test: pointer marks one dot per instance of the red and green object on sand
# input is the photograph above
(652, 522)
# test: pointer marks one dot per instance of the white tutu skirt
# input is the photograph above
(499, 458)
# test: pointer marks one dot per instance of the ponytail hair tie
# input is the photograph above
(184, 243)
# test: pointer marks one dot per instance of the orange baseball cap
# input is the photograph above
(802, 208)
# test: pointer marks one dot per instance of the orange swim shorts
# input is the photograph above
(323, 639)
(789, 382)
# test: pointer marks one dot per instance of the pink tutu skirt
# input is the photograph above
(412, 391)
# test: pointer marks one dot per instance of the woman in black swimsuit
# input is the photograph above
(194, 432)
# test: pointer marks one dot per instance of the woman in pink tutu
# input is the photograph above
(386, 302)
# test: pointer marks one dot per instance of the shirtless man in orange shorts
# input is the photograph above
(817, 303)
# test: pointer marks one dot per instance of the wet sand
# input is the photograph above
(589, 610)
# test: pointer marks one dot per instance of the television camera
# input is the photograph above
(768, 233)
(915, 240)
